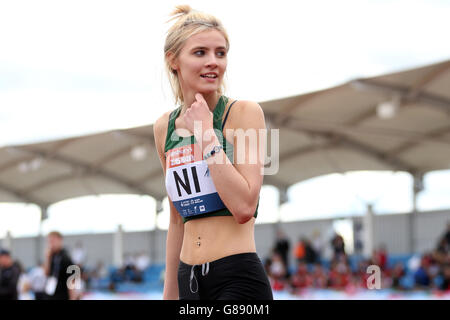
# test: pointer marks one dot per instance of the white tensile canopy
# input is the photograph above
(398, 121)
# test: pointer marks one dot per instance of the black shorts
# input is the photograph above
(237, 277)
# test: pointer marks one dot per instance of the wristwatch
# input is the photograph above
(212, 152)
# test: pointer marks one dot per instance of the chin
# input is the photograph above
(206, 91)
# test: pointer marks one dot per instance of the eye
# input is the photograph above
(199, 53)
(221, 53)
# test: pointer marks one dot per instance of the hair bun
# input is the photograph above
(181, 10)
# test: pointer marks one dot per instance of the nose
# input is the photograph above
(212, 61)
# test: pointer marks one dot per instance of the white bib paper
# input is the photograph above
(50, 287)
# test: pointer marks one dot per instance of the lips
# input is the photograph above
(209, 75)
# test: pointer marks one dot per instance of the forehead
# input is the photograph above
(209, 38)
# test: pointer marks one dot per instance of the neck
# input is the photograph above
(211, 99)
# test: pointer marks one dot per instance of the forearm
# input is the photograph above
(47, 266)
(173, 248)
(233, 188)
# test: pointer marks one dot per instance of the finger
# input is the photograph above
(199, 97)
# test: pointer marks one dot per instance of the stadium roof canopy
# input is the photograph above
(398, 121)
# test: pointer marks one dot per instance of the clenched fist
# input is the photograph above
(198, 118)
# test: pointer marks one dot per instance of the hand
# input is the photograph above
(48, 253)
(198, 118)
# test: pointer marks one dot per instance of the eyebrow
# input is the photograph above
(206, 48)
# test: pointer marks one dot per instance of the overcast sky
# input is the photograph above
(76, 67)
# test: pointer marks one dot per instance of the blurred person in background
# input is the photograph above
(320, 277)
(277, 271)
(9, 276)
(445, 283)
(23, 285)
(360, 275)
(78, 255)
(310, 252)
(282, 246)
(130, 270)
(142, 261)
(380, 257)
(340, 274)
(317, 244)
(301, 278)
(422, 276)
(338, 245)
(300, 250)
(37, 281)
(56, 265)
(396, 274)
(442, 250)
(447, 234)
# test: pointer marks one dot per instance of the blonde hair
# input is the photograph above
(55, 234)
(189, 23)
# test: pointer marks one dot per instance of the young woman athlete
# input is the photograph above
(212, 180)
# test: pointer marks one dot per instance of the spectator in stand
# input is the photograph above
(96, 275)
(310, 253)
(9, 276)
(282, 246)
(131, 271)
(277, 271)
(78, 255)
(338, 246)
(340, 274)
(142, 262)
(442, 250)
(317, 245)
(445, 283)
(37, 281)
(380, 257)
(360, 275)
(447, 234)
(422, 275)
(300, 250)
(267, 264)
(319, 277)
(56, 265)
(301, 278)
(397, 272)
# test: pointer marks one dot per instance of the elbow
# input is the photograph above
(244, 214)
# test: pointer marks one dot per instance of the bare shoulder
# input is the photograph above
(160, 128)
(247, 114)
(161, 124)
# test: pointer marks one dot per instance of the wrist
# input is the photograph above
(203, 133)
(208, 140)
(212, 151)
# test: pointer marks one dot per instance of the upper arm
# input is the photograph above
(160, 132)
(249, 143)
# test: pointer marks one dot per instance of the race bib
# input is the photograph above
(50, 287)
(188, 183)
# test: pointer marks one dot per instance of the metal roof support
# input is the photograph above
(40, 238)
(7, 242)
(83, 169)
(282, 198)
(368, 227)
(154, 233)
(413, 227)
(431, 99)
(118, 247)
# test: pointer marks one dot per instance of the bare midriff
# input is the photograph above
(211, 238)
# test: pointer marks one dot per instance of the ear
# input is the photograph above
(172, 61)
